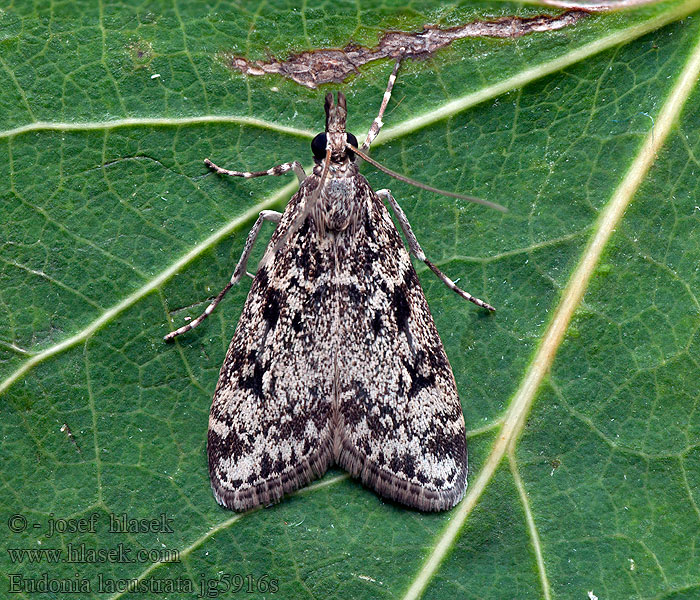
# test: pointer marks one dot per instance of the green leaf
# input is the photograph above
(580, 393)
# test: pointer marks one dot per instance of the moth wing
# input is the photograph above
(401, 427)
(270, 423)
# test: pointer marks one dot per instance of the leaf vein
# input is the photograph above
(570, 300)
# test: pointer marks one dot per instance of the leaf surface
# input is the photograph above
(580, 393)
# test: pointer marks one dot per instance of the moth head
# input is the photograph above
(335, 135)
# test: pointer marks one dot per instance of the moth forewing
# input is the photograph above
(336, 358)
(401, 424)
(270, 426)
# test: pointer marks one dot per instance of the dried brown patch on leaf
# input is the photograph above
(328, 65)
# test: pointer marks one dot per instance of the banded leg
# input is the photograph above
(377, 123)
(418, 251)
(278, 170)
(265, 215)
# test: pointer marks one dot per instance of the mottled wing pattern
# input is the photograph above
(401, 428)
(270, 426)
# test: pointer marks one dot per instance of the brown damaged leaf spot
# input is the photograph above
(316, 67)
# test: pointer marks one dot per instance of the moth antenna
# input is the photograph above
(424, 186)
(308, 207)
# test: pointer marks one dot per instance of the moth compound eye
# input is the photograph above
(318, 146)
(352, 140)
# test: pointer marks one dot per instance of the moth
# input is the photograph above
(336, 359)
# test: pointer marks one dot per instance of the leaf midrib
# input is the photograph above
(520, 405)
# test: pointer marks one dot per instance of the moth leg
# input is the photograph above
(278, 170)
(418, 251)
(377, 123)
(265, 215)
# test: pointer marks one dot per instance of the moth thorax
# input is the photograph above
(337, 203)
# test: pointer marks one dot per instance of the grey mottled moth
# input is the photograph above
(336, 359)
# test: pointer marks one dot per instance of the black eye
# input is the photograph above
(318, 146)
(352, 140)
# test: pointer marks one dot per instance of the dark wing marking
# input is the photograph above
(269, 427)
(401, 428)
